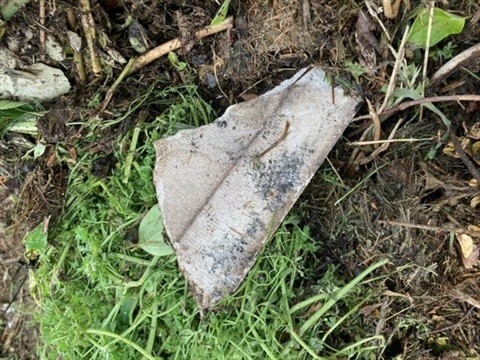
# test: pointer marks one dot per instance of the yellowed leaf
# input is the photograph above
(469, 251)
(475, 201)
(473, 228)
(466, 244)
(475, 150)
(474, 132)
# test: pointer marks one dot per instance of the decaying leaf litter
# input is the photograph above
(429, 306)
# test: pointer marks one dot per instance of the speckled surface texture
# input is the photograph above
(224, 188)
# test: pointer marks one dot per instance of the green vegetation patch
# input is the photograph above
(102, 296)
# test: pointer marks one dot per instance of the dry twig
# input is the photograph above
(433, 99)
(136, 64)
(363, 143)
(306, 13)
(445, 228)
(375, 115)
(426, 56)
(376, 122)
(391, 10)
(374, 15)
(464, 58)
(117, 82)
(464, 157)
(41, 16)
(175, 44)
(88, 25)
(382, 148)
(396, 67)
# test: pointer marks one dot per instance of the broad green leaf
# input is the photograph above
(12, 113)
(221, 14)
(38, 150)
(10, 104)
(150, 234)
(444, 24)
(173, 58)
(129, 303)
(36, 239)
(26, 125)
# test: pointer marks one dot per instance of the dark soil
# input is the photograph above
(404, 211)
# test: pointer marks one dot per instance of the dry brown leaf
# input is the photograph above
(468, 251)
(474, 228)
(396, 294)
(475, 201)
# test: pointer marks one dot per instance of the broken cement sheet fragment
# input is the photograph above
(37, 82)
(224, 188)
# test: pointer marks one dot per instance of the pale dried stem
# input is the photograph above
(376, 121)
(372, 142)
(470, 55)
(427, 46)
(445, 228)
(215, 65)
(375, 115)
(434, 99)
(356, 151)
(175, 44)
(80, 66)
(393, 78)
(42, 35)
(88, 25)
(391, 10)
(431, 5)
(374, 15)
(382, 148)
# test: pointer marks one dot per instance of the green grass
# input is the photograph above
(19, 116)
(100, 297)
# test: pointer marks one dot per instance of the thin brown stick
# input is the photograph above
(9, 260)
(446, 228)
(399, 56)
(41, 17)
(307, 70)
(374, 15)
(432, 99)
(457, 324)
(391, 10)
(380, 149)
(431, 6)
(464, 157)
(376, 122)
(463, 59)
(175, 44)
(407, 104)
(109, 95)
(88, 25)
(284, 135)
